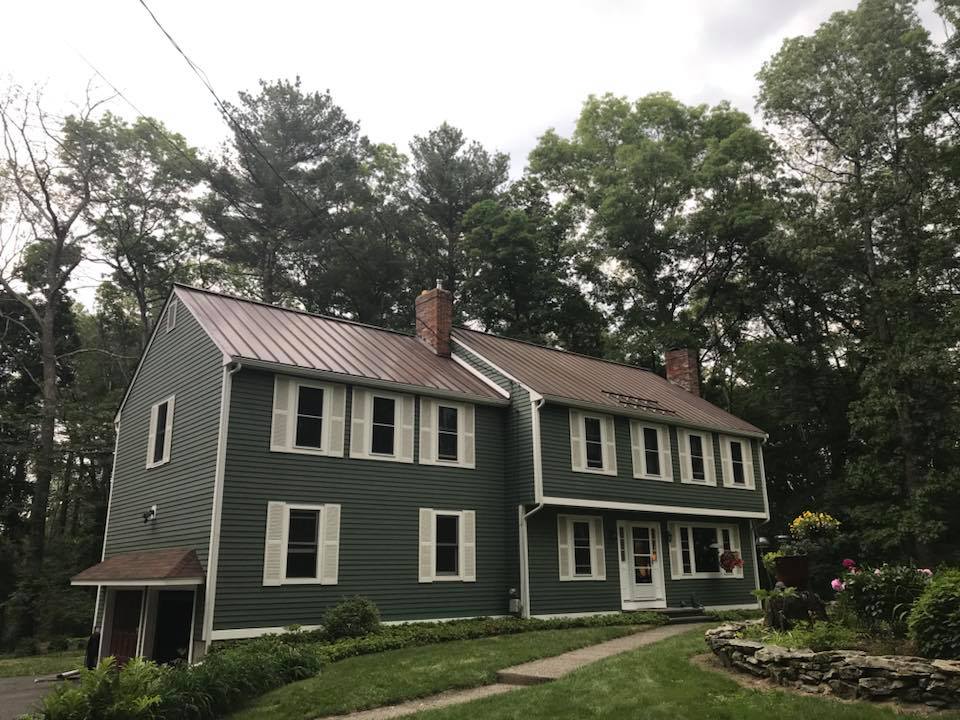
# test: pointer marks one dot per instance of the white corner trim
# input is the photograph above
(643, 507)
(763, 483)
(106, 524)
(473, 371)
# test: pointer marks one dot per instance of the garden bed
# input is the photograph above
(848, 674)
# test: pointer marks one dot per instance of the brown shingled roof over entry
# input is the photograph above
(146, 567)
(579, 378)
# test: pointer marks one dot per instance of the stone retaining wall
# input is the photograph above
(844, 673)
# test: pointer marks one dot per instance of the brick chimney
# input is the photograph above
(683, 369)
(435, 318)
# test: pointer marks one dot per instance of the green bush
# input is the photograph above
(935, 619)
(880, 599)
(58, 644)
(351, 618)
(817, 636)
(133, 693)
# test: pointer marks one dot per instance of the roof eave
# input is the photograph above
(653, 417)
(370, 382)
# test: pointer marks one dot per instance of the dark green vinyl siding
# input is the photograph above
(378, 528)
(551, 596)
(559, 480)
(185, 363)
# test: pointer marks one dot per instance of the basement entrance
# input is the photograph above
(174, 620)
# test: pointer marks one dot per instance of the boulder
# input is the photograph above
(880, 686)
(841, 689)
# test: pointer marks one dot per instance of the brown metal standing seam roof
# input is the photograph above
(556, 373)
(250, 330)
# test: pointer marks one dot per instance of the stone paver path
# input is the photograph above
(531, 673)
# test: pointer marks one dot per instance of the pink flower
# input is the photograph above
(877, 571)
(837, 585)
(926, 571)
(848, 564)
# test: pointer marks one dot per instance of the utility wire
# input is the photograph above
(239, 127)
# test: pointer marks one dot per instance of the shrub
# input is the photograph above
(58, 644)
(935, 619)
(817, 636)
(880, 599)
(104, 693)
(27, 646)
(351, 618)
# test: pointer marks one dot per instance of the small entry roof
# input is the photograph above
(170, 566)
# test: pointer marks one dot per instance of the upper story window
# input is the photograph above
(308, 416)
(381, 425)
(301, 544)
(651, 451)
(696, 550)
(172, 315)
(592, 443)
(580, 547)
(448, 545)
(736, 455)
(160, 436)
(697, 464)
(447, 433)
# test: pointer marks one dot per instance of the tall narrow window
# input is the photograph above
(160, 435)
(736, 463)
(447, 422)
(651, 450)
(697, 467)
(447, 545)
(383, 427)
(160, 440)
(309, 417)
(302, 543)
(582, 564)
(593, 438)
(687, 561)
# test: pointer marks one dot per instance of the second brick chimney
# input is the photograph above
(434, 309)
(683, 369)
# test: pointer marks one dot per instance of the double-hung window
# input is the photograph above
(448, 545)
(697, 464)
(736, 455)
(381, 425)
(160, 435)
(302, 544)
(309, 421)
(447, 433)
(592, 443)
(383, 428)
(580, 547)
(651, 451)
(308, 417)
(696, 550)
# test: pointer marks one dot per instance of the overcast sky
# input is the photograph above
(503, 71)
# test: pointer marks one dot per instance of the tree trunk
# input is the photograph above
(48, 422)
(64, 508)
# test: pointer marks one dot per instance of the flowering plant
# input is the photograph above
(881, 596)
(809, 525)
(730, 560)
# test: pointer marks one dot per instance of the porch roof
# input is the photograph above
(170, 566)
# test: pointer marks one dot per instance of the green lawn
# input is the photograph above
(654, 683)
(390, 677)
(41, 664)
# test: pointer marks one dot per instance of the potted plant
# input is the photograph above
(730, 560)
(808, 531)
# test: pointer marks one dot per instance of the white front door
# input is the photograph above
(641, 572)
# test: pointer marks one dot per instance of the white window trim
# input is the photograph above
(292, 403)
(608, 445)
(676, 560)
(727, 461)
(462, 547)
(709, 460)
(665, 451)
(434, 457)
(321, 510)
(368, 394)
(565, 532)
(168, 433)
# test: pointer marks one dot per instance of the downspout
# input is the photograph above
(213, 553)
(536, 402)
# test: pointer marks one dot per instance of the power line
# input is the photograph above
(239, 127)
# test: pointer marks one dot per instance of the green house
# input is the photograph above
(270, 463)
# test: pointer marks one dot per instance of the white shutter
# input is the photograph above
(576, 440)
(151, 435)
(428, 431)
(168, 431)
(748, 463)
(599, 556)
(609, 445)
(469, 450)
(273, 550)
(563, 546)
(666, 456)
(407, 406)
(335, 411)
(468, 546)
(358, 424)
(684, 446)
(709, 459)
(280, 430)
(426, 545)
(330, 545)
(725, 464)
(676, 562)
(636, 449)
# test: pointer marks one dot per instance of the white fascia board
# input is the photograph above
(643, 507)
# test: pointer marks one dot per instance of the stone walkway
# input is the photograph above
(531, 673)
